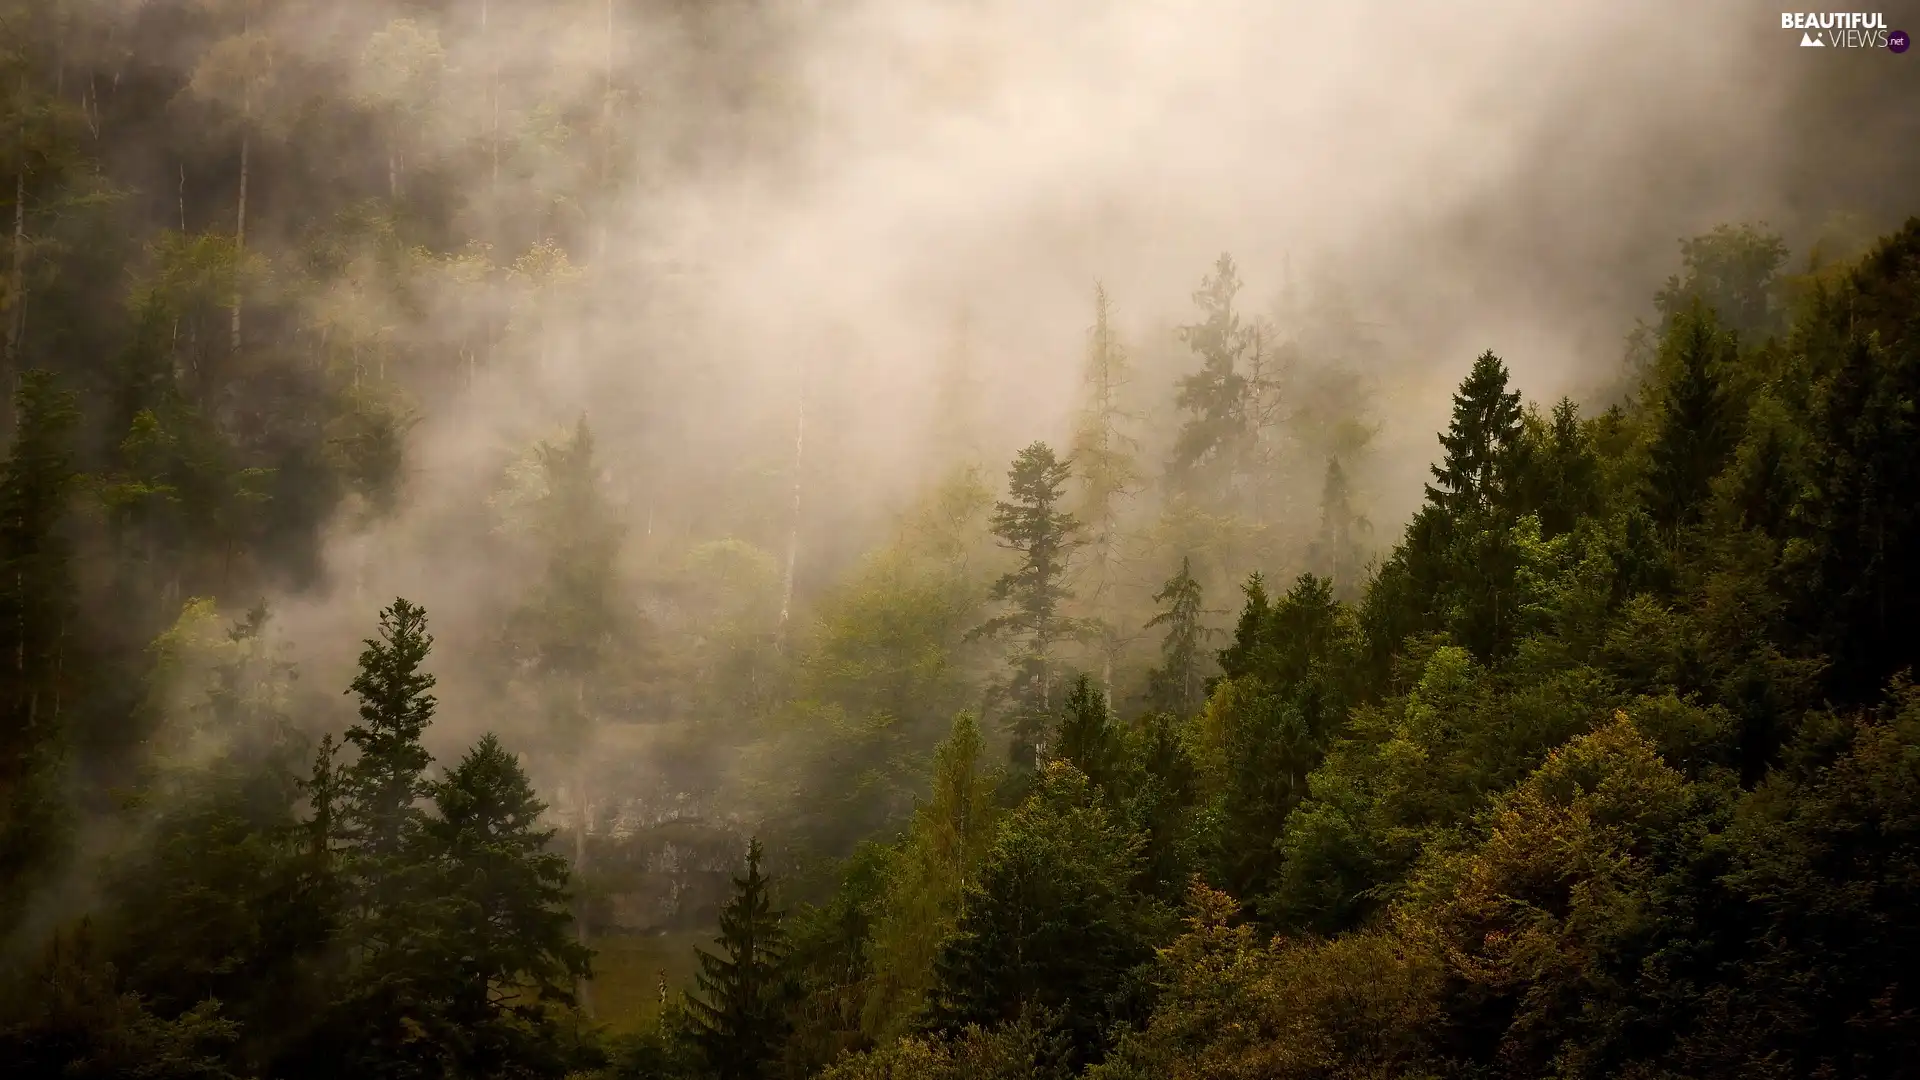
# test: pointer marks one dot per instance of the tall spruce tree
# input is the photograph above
(1178, 685)
(1031, 523)
(1475, 475)
(513, 953)
(739, 1021)
(36, 628)
(1215, 435)
(381, 789)
(1696, 431)
(1087, 738)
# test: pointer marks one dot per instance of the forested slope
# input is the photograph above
(1149, 741)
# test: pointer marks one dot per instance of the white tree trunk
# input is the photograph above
(793, 531)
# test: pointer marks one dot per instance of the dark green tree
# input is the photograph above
(1476, 472)
(1733, 272)
(512, 951)
(1052, 923)
(1031, 523)
(37, 629)
(1087, 737)
(1566, 472)
(740, 1019)
(1214, 437)
(381, 789)
(1178, 685)
(1696, 429)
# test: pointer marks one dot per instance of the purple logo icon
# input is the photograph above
(1897, 40)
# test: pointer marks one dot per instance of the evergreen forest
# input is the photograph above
(455, 626)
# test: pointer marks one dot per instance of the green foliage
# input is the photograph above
(1032, 524)
(1177, 684)
(1214, 438)
(380, 788)
(36, 611)
(1477, 472)
(73, 1019)
(1733, 272)
(926, 889)
(1051, 923)
(740, 1020)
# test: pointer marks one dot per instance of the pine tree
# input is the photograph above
(1031, 523)
(1177, 685)
(946, 842)
(1476, 472)
(1103, 455)
(379, 813)
(1052, 922)
(740, 1020)
(1336, 553)
(508, 930)
(36, 624)
(1696, 432)
(1208, 449)
(1087, 738)
(1568, 473)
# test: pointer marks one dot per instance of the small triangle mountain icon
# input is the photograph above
(1808, 41)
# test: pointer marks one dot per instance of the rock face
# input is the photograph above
(651, 854)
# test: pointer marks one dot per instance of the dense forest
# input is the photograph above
(427, 651)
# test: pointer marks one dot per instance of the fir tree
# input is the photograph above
(949, 836)
(1031, 523)
(511, 950)
(739, 1022)
(1052, 923)
(1177, 685)
(1696, 431)
(1212, 440)
(1476, 472)
(1568, 472)
(1087, 738)
(381, 789)
(1336, 552)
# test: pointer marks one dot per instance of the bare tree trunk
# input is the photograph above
(239, 240)
(793, 531)
(17, 273)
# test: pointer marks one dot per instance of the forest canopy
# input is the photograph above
(475, 604)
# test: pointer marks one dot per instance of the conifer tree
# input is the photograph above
(1211, 441)
(739, 1022)
(1475, 475)
(381, 789)
(1031, 523)
(1087, 738)
(1103, 455)
(1177, 685)
(1052, 922)
(1568, 472)
(512, 950)
(946, 842)
(1336, 552)
(1696, 431)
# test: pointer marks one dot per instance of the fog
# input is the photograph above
(788, 208)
